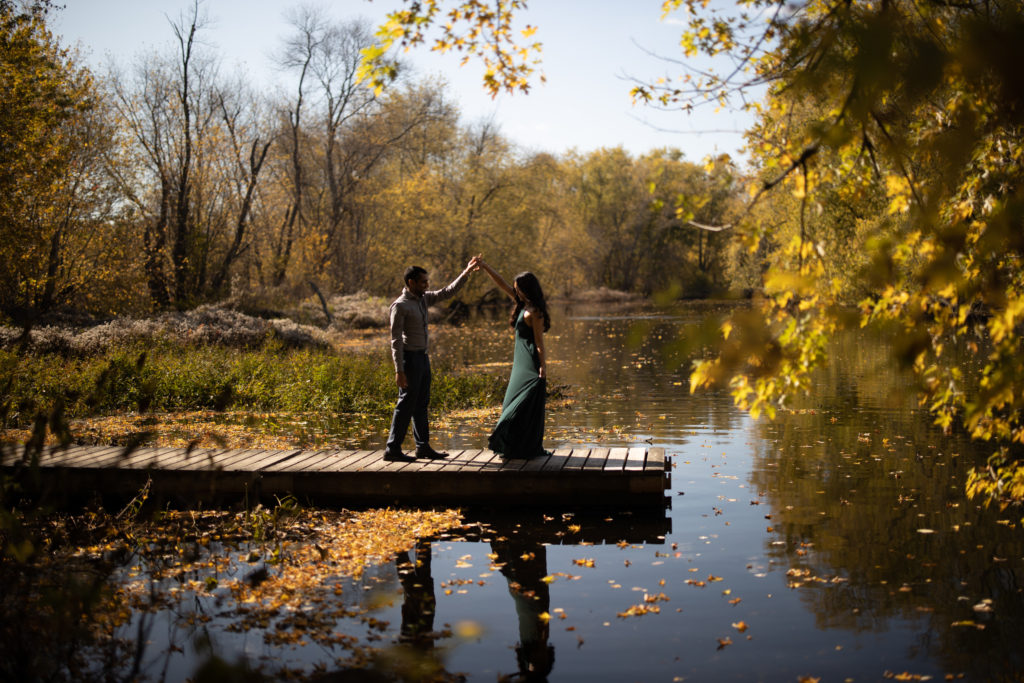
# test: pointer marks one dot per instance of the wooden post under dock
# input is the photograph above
(581, 476)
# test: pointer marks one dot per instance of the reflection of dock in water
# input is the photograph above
(579, 476)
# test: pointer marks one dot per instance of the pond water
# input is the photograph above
(835, 542)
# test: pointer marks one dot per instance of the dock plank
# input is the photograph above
(197, 458)
(558, 460)
(299, 462)
(262, 461)
(83, 456)
(375, 463)
(327, 461)
(440, 463)
(186, 459)
(656, 459)
(115, 457)
(464, 459)
(513, 464)
(55, 455)
(596, 460)
(151, 457)
(346, 461)
(219, 459)
(536, 464)
(577, 459)
(316, 462)
(616, 459)
(480, 461)
(275, 459)
(635, 459)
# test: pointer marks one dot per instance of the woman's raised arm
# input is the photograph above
(498, 280)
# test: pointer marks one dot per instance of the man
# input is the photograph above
(409, 342)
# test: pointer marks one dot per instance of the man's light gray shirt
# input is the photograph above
(409, 320)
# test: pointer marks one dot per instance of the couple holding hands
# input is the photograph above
(520, 429)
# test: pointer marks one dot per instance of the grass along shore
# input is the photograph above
(136, 387)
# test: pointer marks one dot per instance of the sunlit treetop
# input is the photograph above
(474, 28)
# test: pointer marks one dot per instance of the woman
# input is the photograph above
(520, 429)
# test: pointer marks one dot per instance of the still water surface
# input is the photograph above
(838, 540)
(835, 542)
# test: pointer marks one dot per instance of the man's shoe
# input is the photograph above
(430, 453)
(398, 456)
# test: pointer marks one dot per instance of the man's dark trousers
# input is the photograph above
(413, 401)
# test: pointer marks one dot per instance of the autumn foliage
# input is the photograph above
(885, 192)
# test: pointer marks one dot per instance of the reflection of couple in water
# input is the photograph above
(524, 565)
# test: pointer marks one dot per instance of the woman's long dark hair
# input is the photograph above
(529, 285)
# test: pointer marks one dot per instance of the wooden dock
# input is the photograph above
(579, 476)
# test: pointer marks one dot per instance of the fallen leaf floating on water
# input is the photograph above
(968, 622)
(639, 610)
(984, 607)
(906, 676)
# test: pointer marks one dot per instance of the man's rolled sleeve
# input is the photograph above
(397, 342)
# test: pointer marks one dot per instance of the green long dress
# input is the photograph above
(520, 429)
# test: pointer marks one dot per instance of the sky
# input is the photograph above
(592, 50)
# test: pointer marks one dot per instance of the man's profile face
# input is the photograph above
(418, 285)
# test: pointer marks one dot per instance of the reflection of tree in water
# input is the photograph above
(876, 497)
(524, 564)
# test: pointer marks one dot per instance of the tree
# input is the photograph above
(336, 134)
(54, 201)
(634, 219)
(197, 145)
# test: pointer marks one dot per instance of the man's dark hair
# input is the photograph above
(413, 272)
